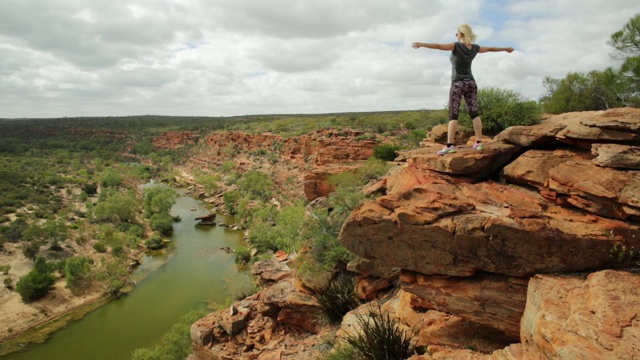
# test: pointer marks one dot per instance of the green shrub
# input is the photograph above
(231, 199)
(5, 269)
(161, 222)
(500, 109)
(243, 255)
(386, 152)
(227, 167)
(256, 185)
(35, 284)
(8, 283)
(31, 249)
(77, 271)
(246, 291)
(338, 297)
(100, 247)
(117, 250)
(284, 232)
(136, 230)
(364, 137)
(158, 199)
(116, 208)
(373, 169)
(379, 338)
(111, 178)
(154, 242)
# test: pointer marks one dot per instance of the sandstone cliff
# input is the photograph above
(516, 237)
(525, 250)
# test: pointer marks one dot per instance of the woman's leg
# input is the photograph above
(471, 98)
(455, 98)
(477, 128)
(451, 131)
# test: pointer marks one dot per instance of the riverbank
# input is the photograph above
(18, 317)
(38, 333)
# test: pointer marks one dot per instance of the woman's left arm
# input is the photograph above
(484, 49)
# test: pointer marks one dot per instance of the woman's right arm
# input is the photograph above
(447, 47)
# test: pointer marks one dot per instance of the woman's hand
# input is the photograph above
(416, 45)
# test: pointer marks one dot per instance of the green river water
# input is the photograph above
(193, 273)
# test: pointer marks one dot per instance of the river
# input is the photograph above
(191, 274)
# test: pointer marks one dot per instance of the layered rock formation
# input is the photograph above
(280, 322)
(513, 237)
(525, 250)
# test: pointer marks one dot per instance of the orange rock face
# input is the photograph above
(573, 317)
(470, 228)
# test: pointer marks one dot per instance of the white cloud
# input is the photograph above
(232, 57)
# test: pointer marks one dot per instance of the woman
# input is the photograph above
(463, 84)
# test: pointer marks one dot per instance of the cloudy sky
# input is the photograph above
(236, 57)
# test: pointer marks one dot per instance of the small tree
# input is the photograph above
(117, 208)
(77, 271)
(158, 199)
(626, 45)
(36, 283)
(110, 178)
(596, 90)
(161, 222)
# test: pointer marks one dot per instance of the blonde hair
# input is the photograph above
(469, 36)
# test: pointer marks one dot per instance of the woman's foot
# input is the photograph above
(478, 146)
(447, 150)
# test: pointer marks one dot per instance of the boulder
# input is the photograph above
(534, 136)
(492, 300)
(617, 156)
(532, 167)
(438, 135)
(372, 268)
(269, 271)
(429, 225)
(606, 192)
(432, 327)
(572, 317)
(615, 125)
(466, 161)
(296, 307)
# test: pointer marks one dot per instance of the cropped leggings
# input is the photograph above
(459, 89)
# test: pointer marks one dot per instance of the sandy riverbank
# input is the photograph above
(18, 318)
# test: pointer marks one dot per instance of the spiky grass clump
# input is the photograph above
(380, 339)
(338, 297)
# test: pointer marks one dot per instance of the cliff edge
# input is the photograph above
(517, 237)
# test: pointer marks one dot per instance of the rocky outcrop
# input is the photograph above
(282, 321)
(432, 225)
(500, 237)
(321, 147)
(317, 155)
(175, 139)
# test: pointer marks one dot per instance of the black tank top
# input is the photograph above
(461, 58)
